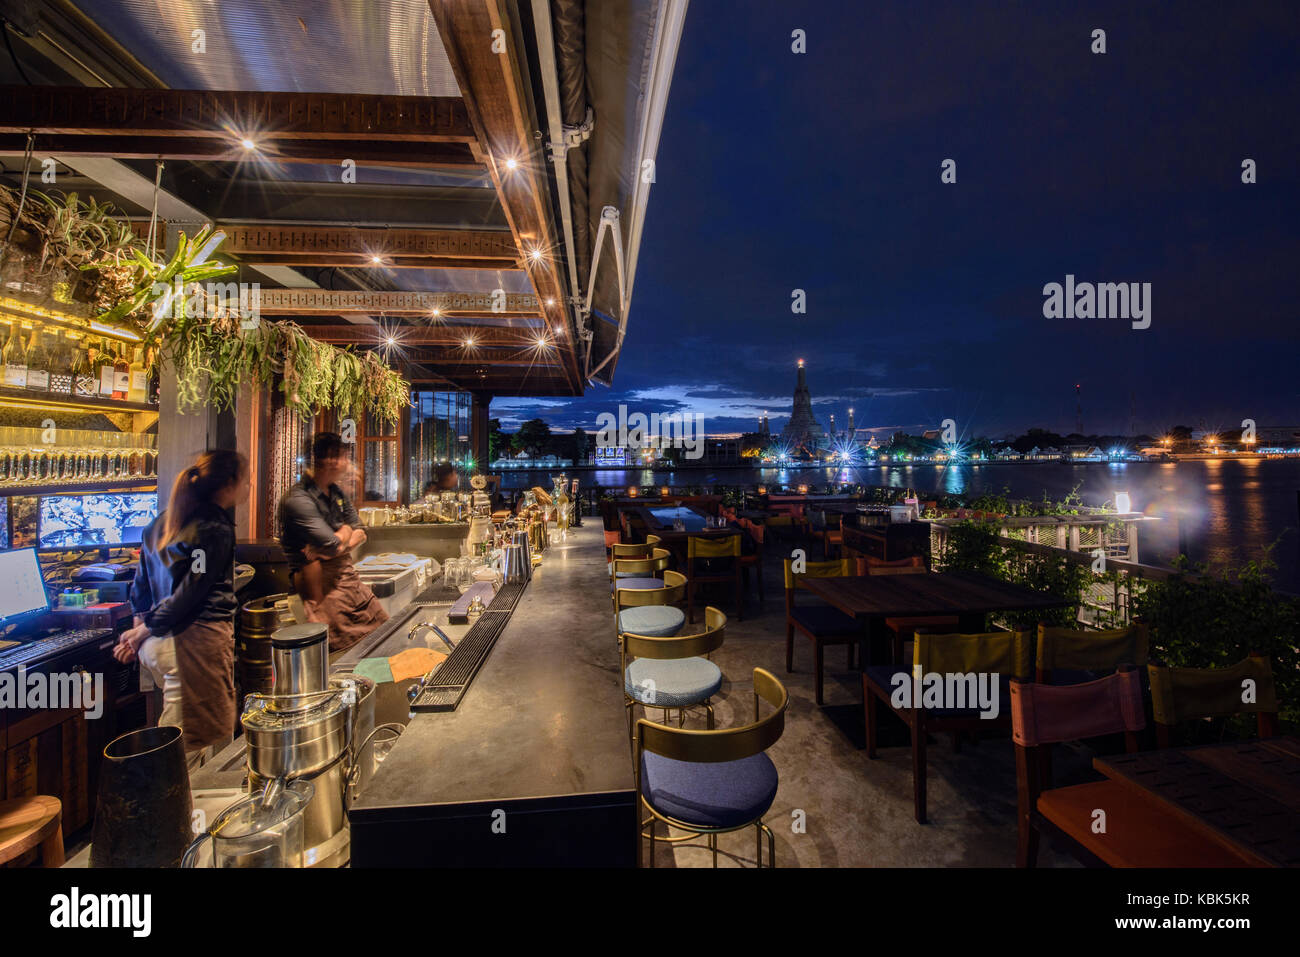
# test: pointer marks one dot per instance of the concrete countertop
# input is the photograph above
(544, 717)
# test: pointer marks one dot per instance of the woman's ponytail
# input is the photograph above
(198, 485)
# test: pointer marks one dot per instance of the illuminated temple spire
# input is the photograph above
(802, 429)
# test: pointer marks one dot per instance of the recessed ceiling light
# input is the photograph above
(536, 255)
(469, 343)
(391, 341)
(550, 302)
(377, 260)
(512, 163)
(248, 144)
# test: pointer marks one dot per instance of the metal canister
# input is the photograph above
(307, 737)
(300, 659)
(525, 548)
(258, 619)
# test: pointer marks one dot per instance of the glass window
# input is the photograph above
(440, 429)
(383, 473)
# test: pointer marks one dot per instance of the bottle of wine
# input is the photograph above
(155, 377)
(61, 354)
(38, 362)
(104, 370)
(84, 383)
(14, 357)
(121, 374)
(139, 391)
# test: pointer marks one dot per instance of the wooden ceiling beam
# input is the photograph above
(433, 334)
(288, 244)
(498, 107)
(338, 302)
(233, 115)
(451, 156)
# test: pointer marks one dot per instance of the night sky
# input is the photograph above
(821, 172)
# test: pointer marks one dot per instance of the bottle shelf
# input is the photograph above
(72, 488)
(18, 397)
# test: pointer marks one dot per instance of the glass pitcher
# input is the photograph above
(257, 833)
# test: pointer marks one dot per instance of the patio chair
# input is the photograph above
(1071, 656)
(1138, 832)
(671, 671)
(1005, 654)
(821, 624)
(1187, 694)
(712, 782)
(724, 549)
(754, 559)
(828, 528)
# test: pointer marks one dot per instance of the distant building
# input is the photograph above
(722, 451)
(803, 429)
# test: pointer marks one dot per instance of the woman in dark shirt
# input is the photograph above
(184, 590)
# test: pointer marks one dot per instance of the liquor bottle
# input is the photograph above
(155, 377)
(104, 368)
(139, 391)
(61, 357)
(14, 357)
(121, 374)
(38, 362)
(84, 383)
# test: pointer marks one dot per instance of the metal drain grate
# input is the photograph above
(507, 597)
(449, 682)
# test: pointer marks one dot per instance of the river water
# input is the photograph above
(1232, 510)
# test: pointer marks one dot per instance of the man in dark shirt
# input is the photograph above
(318, 532)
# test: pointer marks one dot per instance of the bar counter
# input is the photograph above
(533, 767)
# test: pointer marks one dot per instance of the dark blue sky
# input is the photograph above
(821, 171)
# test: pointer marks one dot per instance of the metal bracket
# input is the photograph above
(574, 136)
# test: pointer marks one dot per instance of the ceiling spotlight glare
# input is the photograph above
(550, 302)
(469, 343)
(541, 342)
(512, 164)
(536, 255)
(436, 312)
(248, 144)
(377, 260)
(391, 341)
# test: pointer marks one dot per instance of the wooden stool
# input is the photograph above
(29, 822)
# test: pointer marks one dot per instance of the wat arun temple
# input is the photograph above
(803, 431)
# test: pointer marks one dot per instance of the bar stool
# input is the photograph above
(31, 822)
(645, 567)
(672, 671)
(643, 608)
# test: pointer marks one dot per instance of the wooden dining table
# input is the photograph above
(964, 594)
(1244, 795)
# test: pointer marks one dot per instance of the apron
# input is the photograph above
(349, 607)
(205, 658)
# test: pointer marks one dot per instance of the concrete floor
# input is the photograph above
(856, 812)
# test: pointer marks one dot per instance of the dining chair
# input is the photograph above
(829, 529)
(754, 560)
(672, 671)
(712, 782)
(723, 548)
(820, 623)
(1106, 822)
(903, 628)
(1070, 656)
(1001, 654)
(1187, 694)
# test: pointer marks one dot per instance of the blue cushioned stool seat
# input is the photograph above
(622, 574)
(652, 621)
(727, 794)
(825, 621)
(637, 583)
(672, 683)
